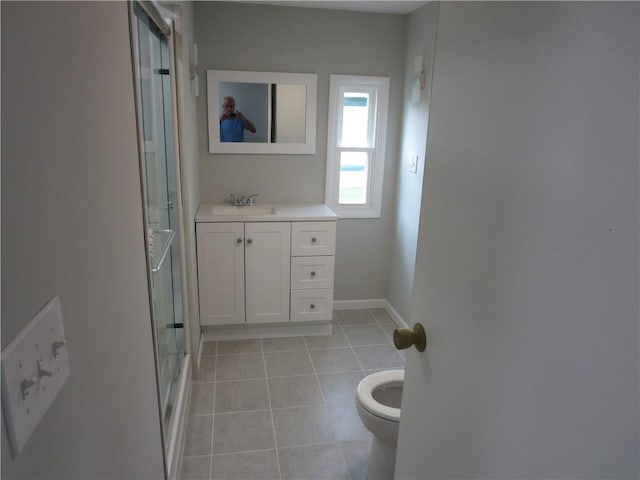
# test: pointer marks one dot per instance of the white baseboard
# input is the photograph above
(178, 427)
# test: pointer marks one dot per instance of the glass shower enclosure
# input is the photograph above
(160, 192)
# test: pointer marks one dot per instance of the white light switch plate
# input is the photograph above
(37, 355)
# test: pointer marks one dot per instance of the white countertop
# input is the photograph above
(282, 212)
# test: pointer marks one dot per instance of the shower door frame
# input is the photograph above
(172, 438)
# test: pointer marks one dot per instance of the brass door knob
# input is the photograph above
(404, 338)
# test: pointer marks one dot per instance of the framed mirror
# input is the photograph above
(261, 112)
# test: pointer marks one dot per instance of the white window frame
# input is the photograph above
(372, 207)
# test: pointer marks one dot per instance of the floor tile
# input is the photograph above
(294, 391)
(355, 317)
(379, 357)
(239, 395)
(339, 387)
(381, 315)
(356, 455)
(209, 348)
(282, 364)
(198, 438)
(334, 360)
(389, 334)
(201, 399)
(303, 426)
(284, 408)
(314, 462)
(369, 372)
(261, 465)
(365, 334)
(239, 367)
(281, 344)
(195, 468)
(346, 422)
(239, 346)
(336, 339)
(207, 372)
(388, 328)
(240, 432)
(387, 324)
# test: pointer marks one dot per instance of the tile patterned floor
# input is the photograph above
(284, 408)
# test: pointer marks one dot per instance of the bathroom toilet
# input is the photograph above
(378, 399)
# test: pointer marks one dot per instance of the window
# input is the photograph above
(355, 144)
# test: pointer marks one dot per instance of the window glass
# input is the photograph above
(355, 120)
(354, 174)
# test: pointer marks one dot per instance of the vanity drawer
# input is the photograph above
(311, 272)
(313, 238)
(311, 305)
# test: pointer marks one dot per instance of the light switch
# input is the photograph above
(35, 366)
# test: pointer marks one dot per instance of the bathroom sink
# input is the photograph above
(243, 210)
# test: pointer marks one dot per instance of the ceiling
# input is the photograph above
(376, 6)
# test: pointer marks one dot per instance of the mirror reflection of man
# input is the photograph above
(233, 123)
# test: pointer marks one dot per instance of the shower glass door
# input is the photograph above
(162, 231)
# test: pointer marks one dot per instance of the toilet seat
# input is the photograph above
(376, 380)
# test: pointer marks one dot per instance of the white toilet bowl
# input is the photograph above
(378, 399)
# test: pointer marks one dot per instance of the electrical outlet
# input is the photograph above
(35, 366)
(413, 164)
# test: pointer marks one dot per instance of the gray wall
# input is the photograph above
(301, 40)
(72, 226)
(421, 37)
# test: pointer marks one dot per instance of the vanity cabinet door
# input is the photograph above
(221, 273)
(267, 264)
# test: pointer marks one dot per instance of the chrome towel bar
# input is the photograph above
(165, 249)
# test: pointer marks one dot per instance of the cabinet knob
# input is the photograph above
(313, 274)
(249, 241)
(313, 239)
(312, 306)
(239, 241)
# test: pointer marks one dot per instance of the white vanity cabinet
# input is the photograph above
(271, 268)
(243, 272)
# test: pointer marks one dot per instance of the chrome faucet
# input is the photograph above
(241, 200)
(233, 199)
